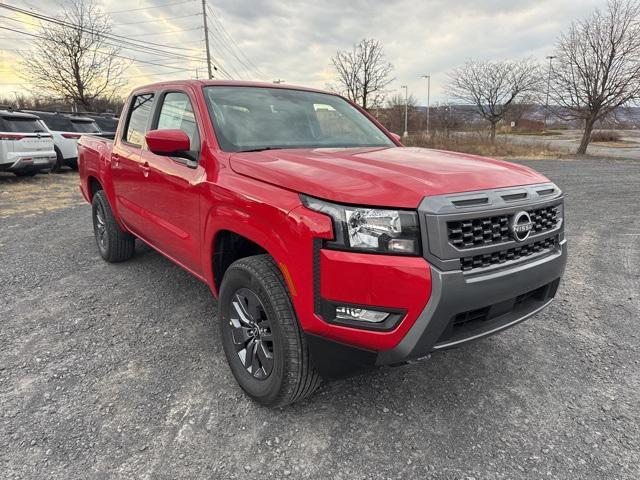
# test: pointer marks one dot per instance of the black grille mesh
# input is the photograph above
(478, 232)
(502, 256)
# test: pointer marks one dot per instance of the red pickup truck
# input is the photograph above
(330, 246)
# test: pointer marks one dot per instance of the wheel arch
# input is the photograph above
(93, 185)
(229, 239)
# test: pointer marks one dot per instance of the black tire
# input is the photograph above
(73, 164)
(59, 162)
(291, 377)
(114, 244)
(25, 173)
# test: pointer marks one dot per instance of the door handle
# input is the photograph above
(115, 158)
(145, 169)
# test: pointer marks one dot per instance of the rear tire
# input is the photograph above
(114, 244)
(59, 162)
(255, 314)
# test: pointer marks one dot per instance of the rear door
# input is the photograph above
(171, 188)
(127, 173)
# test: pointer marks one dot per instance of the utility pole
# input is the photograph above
(206, 38)
(406, 109)
(546, 104)
(428, 77)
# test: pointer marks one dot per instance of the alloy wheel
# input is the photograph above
(101, 228)
(251, 333)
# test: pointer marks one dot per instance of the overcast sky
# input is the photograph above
(295, 40)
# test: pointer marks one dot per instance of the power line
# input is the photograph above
(234, 49)
(131, 46)
(163, 18)
(172, 32)
(145, 47)
(93, 50)
(113, 37)
(147, 8)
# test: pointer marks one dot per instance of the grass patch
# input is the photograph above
(605, 136)
(480, 144)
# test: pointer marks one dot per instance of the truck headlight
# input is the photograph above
(370, 229)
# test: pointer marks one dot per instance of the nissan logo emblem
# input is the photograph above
(521, 226)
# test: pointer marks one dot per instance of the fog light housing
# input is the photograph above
(364, 317)
(360, 314)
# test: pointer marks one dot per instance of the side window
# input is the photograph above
(138, 119)
(177, 113)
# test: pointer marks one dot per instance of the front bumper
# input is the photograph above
(446, 304)
(489, 302)
(466, 308)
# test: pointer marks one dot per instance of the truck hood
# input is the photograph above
(393, 177)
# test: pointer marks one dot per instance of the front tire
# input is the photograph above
(114, 244)
(262, 340)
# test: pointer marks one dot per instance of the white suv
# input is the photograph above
(25, 144)
(66, 129)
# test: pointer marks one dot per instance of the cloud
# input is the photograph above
(295, 40)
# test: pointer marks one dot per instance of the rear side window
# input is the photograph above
(138, 119)
(84, 127)
(107, 124)
(177, 113)
(21, 125)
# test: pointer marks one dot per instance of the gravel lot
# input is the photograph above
(116, 371)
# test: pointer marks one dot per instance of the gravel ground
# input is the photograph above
(116, 371)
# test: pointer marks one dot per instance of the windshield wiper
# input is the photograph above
(261, 149)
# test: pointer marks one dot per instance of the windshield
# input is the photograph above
(81, 126)
(257, 118)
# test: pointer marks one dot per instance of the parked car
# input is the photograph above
(108, 124)
(25, 145)
(66, 129)
(330, 246)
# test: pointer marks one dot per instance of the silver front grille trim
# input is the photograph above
(438, 213)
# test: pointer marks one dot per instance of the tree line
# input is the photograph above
(596, 70)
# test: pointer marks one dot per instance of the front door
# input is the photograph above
(172, 185)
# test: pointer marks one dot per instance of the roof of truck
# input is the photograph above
(227, 83)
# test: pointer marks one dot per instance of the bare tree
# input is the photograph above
(445, 119)
(363, 73)
(597, 68)
(74, 60)
(392, 115)
(494, 87)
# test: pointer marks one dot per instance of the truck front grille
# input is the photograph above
(508, 254)
(475, 232)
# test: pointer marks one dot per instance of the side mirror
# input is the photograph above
(168, 142)
(396, 137)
